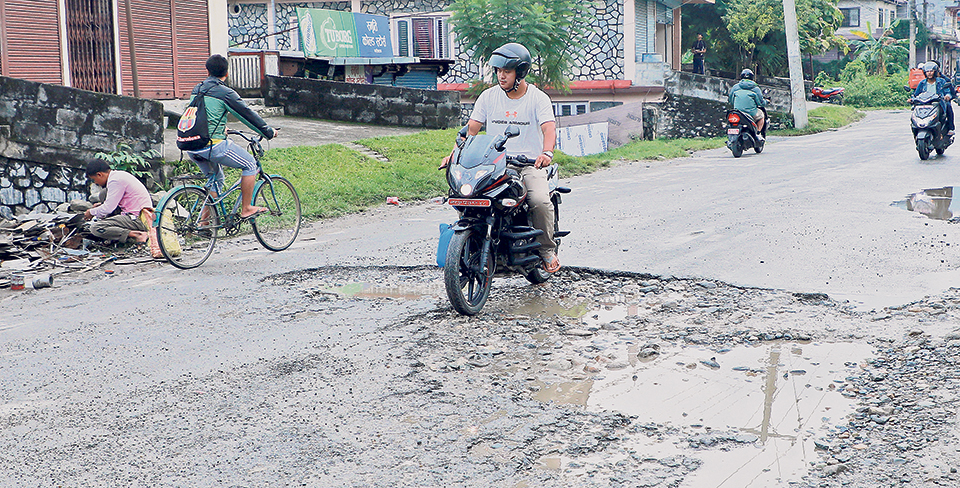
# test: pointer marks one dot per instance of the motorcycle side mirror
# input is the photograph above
(461, 136)
(907, 88)
(511, 131)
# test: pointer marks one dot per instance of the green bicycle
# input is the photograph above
(190, 217)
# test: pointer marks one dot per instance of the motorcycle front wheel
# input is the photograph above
(923, 149)
(468, 287)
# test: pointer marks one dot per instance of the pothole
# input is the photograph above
(935, 203)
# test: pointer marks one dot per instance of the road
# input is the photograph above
(258, 369)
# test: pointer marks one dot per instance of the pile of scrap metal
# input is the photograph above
(53, 243)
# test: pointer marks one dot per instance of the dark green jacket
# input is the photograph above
(746, 96)
(220, 99)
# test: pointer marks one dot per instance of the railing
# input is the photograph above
(248, 69)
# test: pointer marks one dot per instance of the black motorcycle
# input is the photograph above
(929, 125)
(493, 232)
(742, 132)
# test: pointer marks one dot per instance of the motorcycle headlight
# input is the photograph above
(466, 190)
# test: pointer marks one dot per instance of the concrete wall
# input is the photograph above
(48, 134)
(718, 89)
(369, 104)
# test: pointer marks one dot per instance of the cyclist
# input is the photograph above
(219, 100)
(516, 102)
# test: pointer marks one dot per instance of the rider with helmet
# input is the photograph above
(936, 84)
(746, 97)
(515, 102)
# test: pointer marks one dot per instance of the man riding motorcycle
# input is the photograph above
(747, 97)
(940, 85)
(515, 102)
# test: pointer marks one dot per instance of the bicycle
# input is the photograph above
(190, 216)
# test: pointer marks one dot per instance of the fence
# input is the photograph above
(249, 69)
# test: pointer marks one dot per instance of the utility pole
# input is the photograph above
(913, 34)
(798, 96)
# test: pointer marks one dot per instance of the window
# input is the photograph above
(851, 17)
(423, 35)
(569, 108)
(880, 18)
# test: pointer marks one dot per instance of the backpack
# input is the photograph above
(193, 130)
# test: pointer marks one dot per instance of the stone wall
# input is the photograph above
(369, 104)
(48, 134)
(682, 116)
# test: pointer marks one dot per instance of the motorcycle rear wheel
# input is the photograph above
(467, 288)
(759, 147)
(737, 148)
(923, 149)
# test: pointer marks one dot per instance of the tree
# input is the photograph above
(553, 30)
(879, 52)
(757, 26)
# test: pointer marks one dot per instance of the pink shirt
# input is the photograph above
(126, 191)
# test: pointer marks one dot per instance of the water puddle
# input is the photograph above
(750, 413)
(935, 203)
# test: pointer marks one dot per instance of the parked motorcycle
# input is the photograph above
(493, 232)
(827, 95)
(742, 132)
(929, 125)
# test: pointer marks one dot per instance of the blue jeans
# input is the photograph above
(225, 153)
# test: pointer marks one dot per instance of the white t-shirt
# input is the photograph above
(527, 113)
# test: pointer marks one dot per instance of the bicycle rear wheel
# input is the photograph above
(278, 228)
(188, 227)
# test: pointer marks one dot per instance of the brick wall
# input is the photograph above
(48, 134)
(369, 104)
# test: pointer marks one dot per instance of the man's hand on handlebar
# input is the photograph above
(542, 161)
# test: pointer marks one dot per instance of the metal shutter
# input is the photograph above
(31, 40)
(154, 49)
(191, 32)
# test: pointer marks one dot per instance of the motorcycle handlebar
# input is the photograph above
(521, 160)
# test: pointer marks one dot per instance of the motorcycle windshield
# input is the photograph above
(927, 97)
(477, 150)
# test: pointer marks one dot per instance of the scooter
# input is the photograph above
(827, 95)
(929, 125)
(742, 132)
(493, 232)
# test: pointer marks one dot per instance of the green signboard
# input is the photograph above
(328, 33)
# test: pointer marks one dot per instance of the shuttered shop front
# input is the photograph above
(192, 36)
(172, 43)
(31, 40)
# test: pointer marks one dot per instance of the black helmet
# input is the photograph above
(746, 74)
(512, 56)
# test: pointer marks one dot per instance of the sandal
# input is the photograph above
(253, 215)
(551, 263)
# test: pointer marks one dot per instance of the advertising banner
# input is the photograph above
(373, 31)
(335, 34)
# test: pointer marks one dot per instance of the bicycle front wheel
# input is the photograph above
(188, 227)
(278, 228)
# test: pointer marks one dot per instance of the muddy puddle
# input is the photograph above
(935, 203)
(751, 414)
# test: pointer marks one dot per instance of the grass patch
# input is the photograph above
(824, 118)
(333, 180)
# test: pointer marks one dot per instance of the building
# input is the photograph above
(87, 43)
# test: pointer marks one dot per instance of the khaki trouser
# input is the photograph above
(116, 228)
(541, 208)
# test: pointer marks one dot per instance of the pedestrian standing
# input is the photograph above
(699, 49)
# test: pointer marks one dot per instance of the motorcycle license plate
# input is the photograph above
(733, 130)
(469, 202)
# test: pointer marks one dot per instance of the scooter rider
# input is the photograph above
(521, 104)
(938, 85)
(747, 97)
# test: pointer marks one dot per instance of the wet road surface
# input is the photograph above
(679, 362)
